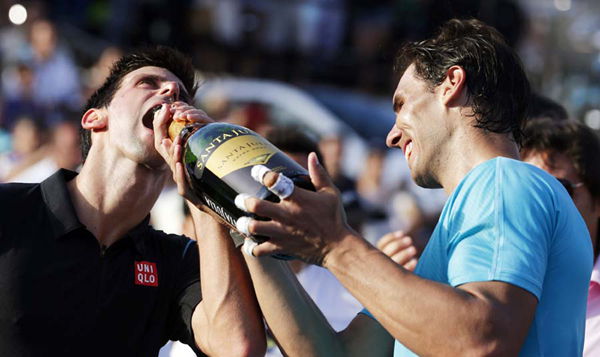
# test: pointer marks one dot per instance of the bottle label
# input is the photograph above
(239, 152)
(220, 210)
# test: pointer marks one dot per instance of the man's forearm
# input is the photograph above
(429, 317)
(296, 323)
(228, 321)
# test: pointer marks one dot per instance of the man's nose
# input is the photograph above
(393, 137)
(171, 89)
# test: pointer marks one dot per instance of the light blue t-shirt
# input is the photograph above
(510, 221)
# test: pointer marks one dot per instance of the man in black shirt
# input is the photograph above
(83, 274)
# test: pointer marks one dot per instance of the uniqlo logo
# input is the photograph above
(146, 274)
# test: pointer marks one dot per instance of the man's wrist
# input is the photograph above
(346, 245)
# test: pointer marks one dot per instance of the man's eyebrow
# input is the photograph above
(183, 93)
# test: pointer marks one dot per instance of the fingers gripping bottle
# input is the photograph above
(218, 158)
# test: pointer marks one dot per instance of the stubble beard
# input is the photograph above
(426, 177)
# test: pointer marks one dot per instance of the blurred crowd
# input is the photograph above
(53, 62)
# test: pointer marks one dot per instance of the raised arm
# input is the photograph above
(429, 318)
(227, 322)
(297, 324)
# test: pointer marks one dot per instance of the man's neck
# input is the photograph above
(469, 149)
(112, 197)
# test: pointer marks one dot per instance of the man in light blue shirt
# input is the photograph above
(509, 221)
(506, 270)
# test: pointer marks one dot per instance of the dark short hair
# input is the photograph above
(160, 56)
(496, 82)
(569, 137)
(572, 138)
(544, 107)
(293, 140)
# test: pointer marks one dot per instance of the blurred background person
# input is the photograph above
(55, 76)
(39, 152)
(569, 151)
(253, 116)
(332, 149)
(28, 148)
(336, 303)
(19, 97)
(97, 73)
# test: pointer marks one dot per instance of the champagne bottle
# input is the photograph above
(218, 158)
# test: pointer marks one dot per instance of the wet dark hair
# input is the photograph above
(160, 56)
(496, 83)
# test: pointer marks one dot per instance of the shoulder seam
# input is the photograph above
(498, 217)
(185, 249)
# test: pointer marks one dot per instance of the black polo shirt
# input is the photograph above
(62, 295)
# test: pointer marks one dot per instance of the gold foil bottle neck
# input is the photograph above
(176, 127)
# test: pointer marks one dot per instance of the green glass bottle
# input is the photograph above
(218, 158)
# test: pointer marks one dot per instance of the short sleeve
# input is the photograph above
(502, 224)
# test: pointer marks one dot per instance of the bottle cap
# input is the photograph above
(176, 127)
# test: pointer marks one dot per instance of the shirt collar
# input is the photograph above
(137, 235)
(64, 218)
(57, 199)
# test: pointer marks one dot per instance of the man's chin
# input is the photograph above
(425, 181)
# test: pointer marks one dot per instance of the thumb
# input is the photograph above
(319, 177)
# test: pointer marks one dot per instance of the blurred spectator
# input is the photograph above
(101, 69)
(375, 196)
(371, 35)
(65, 148)
(33, 160)
(336, 303)
(253, 116)
(5, 141)
(395, 206)
(368, 184)
(569, 150)
(14, 45)
(402, 228)
(320, 27)
(19, 100)
(28, 137)
(56, 78)
(544, 107)
(294, 142)
(332, 148)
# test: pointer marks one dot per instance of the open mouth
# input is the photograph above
(149, 116)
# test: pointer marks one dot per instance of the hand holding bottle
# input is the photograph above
(307, 225)
(171, 150)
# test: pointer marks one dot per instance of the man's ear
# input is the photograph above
(453, 88)
(94, 119)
